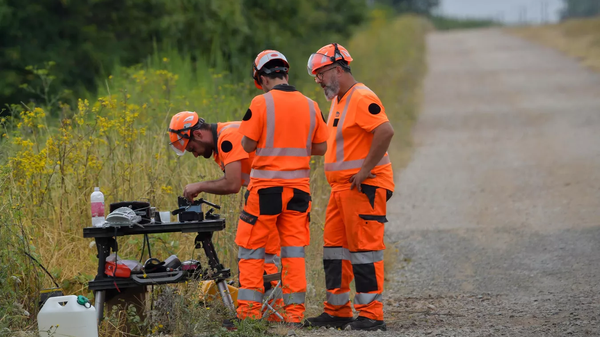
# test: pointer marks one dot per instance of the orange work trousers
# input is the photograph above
(271, 250)
(271, 256)
(273, 209)
(354, 226)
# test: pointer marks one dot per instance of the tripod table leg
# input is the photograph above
(99, 304)
(225, 295)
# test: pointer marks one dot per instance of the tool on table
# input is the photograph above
(192, 210)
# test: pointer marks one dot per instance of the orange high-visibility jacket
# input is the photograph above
(228, 148)
(350, 122)
(285, 124)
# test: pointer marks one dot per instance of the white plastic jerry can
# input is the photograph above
(62, 316)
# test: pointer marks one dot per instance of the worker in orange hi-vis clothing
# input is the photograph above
(359, 171)
(285, 128)
(190, 133)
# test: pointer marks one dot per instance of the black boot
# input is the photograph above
(230, 324)
(295, 325)
(367, 324)
(328, 321)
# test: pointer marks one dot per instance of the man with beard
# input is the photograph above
(359, 171)
(190, 133)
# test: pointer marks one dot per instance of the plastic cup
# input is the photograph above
(165, 217)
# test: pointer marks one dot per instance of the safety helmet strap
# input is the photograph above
(181, 132)
(266, 71)
(336, 53)
(273, 70)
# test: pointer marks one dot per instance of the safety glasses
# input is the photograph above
(320, 75)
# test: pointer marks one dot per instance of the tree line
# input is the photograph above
(580, 9)
(86, 39)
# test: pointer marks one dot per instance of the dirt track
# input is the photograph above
(497, 216)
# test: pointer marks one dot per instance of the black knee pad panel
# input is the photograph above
(365, 278)
(333, 273)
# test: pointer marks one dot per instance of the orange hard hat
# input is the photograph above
(263, 58)
(327, 55)
(180, 130)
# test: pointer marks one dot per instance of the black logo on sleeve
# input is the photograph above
(226, 146)
(374, 108)
(248, 115)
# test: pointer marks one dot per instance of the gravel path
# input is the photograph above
(497, 217)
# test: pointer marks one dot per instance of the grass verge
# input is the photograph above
(578, 38)
(118, 142)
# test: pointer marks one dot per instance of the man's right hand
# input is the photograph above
(191, 191)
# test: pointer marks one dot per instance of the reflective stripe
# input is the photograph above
(365, 298)
(237, 125)
(267, 294)
(313, 115)
(294, 298)
(249, 295)
(270, 120)
(339, 139)
(330, 111)
(291, 251)
(283, 152)
(269, 150)
(277, 295)
(270, 258)
(266, 174)
(338, 299)
(366, 257)
(336, 253)
(353, 164)
(251, 254)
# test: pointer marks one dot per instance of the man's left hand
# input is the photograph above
(357, 179)
(191, 191)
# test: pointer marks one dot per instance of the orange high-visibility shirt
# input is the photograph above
(350, 122)
(285, 124)
(228, 148)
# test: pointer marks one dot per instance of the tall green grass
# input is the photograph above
(118, 142)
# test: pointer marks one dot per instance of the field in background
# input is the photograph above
(578, 38)
(118, 141)
(450, 23)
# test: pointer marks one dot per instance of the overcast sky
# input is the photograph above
(508, 11)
